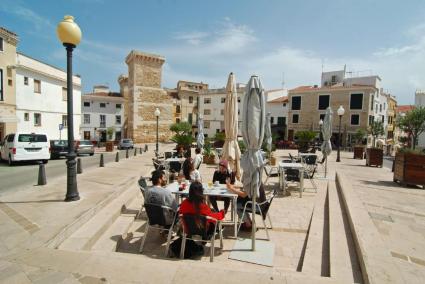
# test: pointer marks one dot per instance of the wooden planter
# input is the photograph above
(209, 160)
(358, 152)
(374, 157)
(409, 169)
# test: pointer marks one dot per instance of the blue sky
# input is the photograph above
(205, 40)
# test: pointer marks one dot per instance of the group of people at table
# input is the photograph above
(195, 203)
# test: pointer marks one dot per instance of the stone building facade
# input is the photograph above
(8, 118)
(143, 94)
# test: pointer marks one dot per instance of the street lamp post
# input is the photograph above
(157, 113)
(69, 34)
(340, 112)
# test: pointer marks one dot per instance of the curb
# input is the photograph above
(375, 260)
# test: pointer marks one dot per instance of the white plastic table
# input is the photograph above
(216, 190)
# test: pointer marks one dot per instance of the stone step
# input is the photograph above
(344, 264)
(118, 231)
(316, 254)
(90, 232)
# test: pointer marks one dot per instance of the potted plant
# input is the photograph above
(374, 155)
(359, 147)
(409, 163)
(305, 137)
(183, 135)
(208, 154)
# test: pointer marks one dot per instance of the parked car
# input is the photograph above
(84, 147)
(125, 144)
(58, 148)
(25, 147)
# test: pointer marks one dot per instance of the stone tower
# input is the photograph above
(143, 95)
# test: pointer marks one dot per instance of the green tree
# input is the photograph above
(110, 131)
(304, 138)
(359, 136)
(183, 133)
(376, 129)
(413, 123)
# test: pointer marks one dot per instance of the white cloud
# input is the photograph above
(25, 14)
(194, 38)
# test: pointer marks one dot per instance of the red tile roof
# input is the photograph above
(404, 108)
(283, 99)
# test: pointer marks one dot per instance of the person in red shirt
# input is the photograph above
(195, 204)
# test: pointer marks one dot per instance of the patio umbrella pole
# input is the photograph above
(326, 166)
(253, 226)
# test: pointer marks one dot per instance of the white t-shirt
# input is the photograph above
(195, 176)
(197, 161)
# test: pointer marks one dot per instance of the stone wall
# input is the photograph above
(144, 96)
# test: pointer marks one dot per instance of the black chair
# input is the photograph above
(175, 166)
(161, 218)
(310, 167)
(168, 155)
(199, 226)
(262, 208)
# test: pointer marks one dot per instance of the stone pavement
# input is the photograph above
(397, 212)
(33, 222)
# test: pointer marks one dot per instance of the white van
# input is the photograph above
(25, 147)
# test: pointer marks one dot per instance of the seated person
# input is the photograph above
(242, 200)
(221, 175)
(198, 158)
(194, 173)
(180, 152)
(196, 205)
(159, 195)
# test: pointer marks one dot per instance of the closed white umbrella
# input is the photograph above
(327, 133)
(231, 151)
(268, 132)
(253, 122)
(200, 138)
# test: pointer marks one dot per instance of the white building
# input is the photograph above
(211, 108)
(41, 98)
(278, 109)
(102, 112)
(420, 101)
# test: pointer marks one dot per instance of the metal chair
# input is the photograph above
(199, 226)
(310, 167)
(159, 218)
(262, 208)
(142, 186)
(159, 165)
(168, 155)
(270, 172)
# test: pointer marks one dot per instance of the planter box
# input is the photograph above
(358, 152)
(374, 157)
(209, 160)
(409, 169)
(109, 146)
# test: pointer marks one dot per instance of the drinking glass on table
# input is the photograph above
(210, 183)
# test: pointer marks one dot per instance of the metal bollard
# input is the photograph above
(140, 150)
(79, 167)
(126, 153)
(135, 151)
(101, 163)
(146, 148)
(117, 157)
(41, 174)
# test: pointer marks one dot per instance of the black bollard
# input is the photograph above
(126, 153)
(79, 167)
(101, 163)
(135, 151)
(117, 157)
(146, 148)
(140, 150)
(41, 174)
